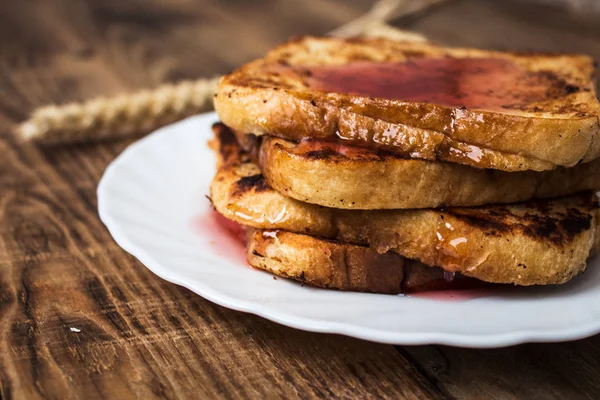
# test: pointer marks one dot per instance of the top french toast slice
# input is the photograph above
(487, 109)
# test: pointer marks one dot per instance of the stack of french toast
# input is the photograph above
(395, 167)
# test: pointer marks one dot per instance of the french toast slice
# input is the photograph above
(349, 177)
(536, 243)
(337, 265)
(486, 109)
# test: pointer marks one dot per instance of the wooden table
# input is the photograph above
(79, 317)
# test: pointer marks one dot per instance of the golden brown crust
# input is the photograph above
(336, 265)
(338, 176)
(539, 243)
(326, 264)
(560, 130)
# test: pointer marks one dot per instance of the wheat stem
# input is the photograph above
(126, 114)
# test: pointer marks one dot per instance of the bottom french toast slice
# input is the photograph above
(536, 243)
(336, 265)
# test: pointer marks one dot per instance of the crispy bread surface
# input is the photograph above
(350, 177)
(315, 87)
(327, 264)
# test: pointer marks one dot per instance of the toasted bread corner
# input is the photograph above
(272, 96)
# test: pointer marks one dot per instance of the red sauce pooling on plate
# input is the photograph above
(453, 295)
(483, 83)
(226, 239)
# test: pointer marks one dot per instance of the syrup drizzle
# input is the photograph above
(399, 141)
(479, 83)
(451, 249)
(471, 152)
(324, 148)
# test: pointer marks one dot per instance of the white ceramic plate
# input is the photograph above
(152, 199)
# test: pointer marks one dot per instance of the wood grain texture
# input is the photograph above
(81, 318)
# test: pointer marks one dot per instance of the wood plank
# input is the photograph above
(510, 25)
(530, 371)
(81, 316)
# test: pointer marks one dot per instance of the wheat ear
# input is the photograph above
(108, 117)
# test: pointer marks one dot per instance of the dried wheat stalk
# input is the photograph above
(127, 114)
(383, 11)
(383, 30)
